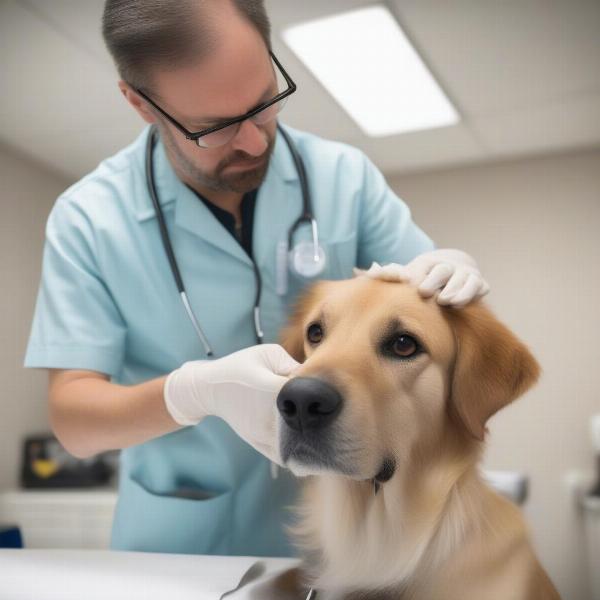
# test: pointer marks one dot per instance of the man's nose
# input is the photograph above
(250, 139)
(308, 403)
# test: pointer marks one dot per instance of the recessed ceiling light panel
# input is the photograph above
(369, 66)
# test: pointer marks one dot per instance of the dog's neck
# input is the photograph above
(419, 517)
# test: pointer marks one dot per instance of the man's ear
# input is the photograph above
(292, 335)
(492, 366)
(138, 103)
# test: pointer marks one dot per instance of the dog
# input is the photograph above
(385, 418)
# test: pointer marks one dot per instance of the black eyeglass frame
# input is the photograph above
(197, 135)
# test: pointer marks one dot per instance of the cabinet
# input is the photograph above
(60, 518)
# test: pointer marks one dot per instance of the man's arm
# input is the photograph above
(89, 414)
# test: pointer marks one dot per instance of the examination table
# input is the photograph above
(115, 575)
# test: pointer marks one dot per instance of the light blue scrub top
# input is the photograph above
(107, 302)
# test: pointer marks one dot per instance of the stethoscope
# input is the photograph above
(306, 259)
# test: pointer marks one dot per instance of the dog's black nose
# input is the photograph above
(308, 403)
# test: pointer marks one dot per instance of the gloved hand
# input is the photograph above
(454, 272)
(240, 388)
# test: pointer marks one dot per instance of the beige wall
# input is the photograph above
(27, 193)
(534, 227)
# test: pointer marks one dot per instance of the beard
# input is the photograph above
(241, 181)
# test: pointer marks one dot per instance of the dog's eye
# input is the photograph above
(314, 333)
(404, 346)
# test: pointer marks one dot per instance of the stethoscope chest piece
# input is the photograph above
(301, 261)
(304, 262)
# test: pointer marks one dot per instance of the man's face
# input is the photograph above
(233, 79)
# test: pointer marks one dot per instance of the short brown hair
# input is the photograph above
(142, 34)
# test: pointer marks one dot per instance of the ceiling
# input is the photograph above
(523, 74)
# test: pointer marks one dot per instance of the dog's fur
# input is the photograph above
(434, 530)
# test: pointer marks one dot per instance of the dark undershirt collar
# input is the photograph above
(244, 235)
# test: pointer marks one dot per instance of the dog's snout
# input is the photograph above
(308, 403)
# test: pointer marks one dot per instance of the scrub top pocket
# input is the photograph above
(342, 256)
(181, 525)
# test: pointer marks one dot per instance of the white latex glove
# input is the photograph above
(240, 388)
(454, 272)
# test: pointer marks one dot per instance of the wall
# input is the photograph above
(533, 226)
(27, 193)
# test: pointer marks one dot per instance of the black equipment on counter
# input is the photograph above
(46, 464)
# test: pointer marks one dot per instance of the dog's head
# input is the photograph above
(386, 373)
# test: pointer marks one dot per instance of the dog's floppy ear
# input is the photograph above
(292, 335)
(492, 366)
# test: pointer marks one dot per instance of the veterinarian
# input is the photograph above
(191, 400)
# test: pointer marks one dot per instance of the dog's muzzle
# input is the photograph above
(308, 404)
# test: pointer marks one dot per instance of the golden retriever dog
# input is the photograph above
(386, 417)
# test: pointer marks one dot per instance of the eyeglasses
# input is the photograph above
(224, 132)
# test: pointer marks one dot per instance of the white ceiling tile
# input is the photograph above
(561, 125)
(58, 103)
(494, 56)
(73, 157)
(79, 21)
(413, 151)
(288, 12)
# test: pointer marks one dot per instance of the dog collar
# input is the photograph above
(387, 471)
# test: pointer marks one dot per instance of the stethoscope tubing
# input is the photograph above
(164, 234)
(306, 216)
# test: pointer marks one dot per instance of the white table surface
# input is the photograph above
(108, 574)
